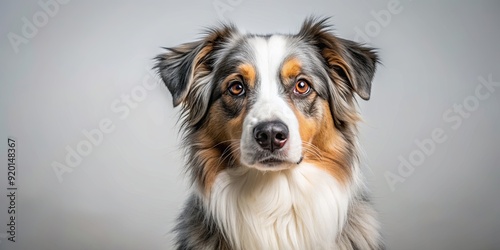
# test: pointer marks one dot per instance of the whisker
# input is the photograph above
(313, 149)
(229, 152)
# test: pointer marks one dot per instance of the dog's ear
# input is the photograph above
(180, 67)
(348, 60)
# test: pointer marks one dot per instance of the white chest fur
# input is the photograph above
(302, 208)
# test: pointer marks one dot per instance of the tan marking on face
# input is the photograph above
(248, 73)
(291, 68)
(220, 140)
(212, 164)
(323, 145)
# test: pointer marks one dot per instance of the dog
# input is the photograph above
(270, 139)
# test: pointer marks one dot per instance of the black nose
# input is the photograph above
(271, 135)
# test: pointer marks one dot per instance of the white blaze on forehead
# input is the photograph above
(270, 105)
(269, 55)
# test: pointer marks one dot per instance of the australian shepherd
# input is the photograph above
(270, 124)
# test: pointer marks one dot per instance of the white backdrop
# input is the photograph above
(74, 70)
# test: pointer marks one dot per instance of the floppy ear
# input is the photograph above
(349, 60)
(182, 66)
(177, 67)
(361, 63)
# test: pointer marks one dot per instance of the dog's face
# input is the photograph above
(269, 102)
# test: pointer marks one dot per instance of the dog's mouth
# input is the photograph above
(271, 161)
(275, 163)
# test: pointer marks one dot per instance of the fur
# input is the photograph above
(308, 191)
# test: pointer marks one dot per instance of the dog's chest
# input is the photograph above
(302, 208)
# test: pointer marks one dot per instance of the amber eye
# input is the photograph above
(236, 88)
(302, 87)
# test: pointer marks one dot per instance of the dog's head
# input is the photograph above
(269, 102)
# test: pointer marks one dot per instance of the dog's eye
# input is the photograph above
(236, 88)
(302, 87)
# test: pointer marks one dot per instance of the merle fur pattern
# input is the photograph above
(185, 68)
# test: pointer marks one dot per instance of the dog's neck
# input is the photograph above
(300, 208)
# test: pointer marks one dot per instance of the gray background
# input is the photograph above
(126, 193)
